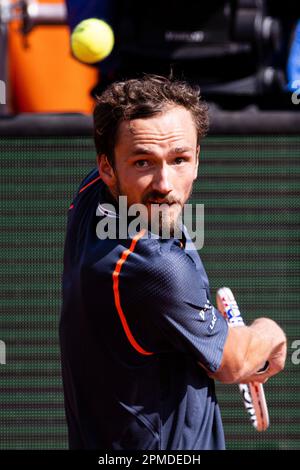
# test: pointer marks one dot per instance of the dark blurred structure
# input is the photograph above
(236, 50)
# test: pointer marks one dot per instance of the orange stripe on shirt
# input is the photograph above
(91, 182)
(116, 274)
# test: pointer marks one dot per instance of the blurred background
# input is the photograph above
(245, 55)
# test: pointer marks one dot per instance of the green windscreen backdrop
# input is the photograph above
(250, 187)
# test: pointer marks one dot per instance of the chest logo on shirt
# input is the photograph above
(213, 321)
(202, 312)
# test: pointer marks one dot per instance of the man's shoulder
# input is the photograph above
(88, 189)
(144, 256)
(88, 179)
(160, 261)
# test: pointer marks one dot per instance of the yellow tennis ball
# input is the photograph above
(92, 40)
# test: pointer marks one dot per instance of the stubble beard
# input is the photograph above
(164, 219)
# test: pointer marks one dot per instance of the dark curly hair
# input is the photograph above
(142, 98)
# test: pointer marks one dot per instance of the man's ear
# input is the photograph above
(197, 162)
(106, 170)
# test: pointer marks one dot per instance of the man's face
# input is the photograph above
(156, 161)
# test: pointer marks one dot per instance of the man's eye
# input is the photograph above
(179, 160)
(141, 163)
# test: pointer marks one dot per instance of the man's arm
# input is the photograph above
(247, 349)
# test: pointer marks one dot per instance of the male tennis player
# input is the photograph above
(141, 342)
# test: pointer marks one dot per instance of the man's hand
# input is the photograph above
(248, 348)
(269, 329)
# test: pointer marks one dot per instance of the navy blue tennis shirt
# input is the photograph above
(136, 322)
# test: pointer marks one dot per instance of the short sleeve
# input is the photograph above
(168, 307)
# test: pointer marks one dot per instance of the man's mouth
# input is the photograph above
(161, 202)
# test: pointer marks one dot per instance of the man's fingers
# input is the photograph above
(261, 378)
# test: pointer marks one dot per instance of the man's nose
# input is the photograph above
(162, 180)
